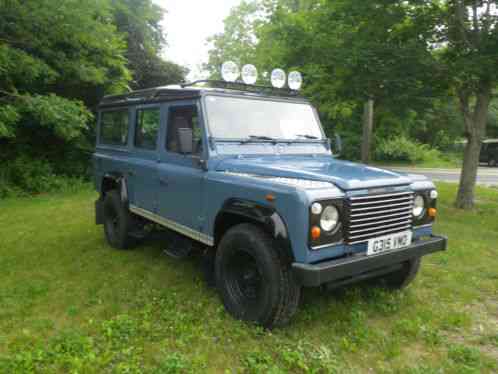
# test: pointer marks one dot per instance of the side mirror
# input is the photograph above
(185, 140)
(337, 145)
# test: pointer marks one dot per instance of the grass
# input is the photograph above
(69, 303)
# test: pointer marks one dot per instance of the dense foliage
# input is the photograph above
(57, 59)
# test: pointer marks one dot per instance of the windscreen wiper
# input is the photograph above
(307, 136)
(253, 138)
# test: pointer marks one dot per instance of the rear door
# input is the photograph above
(142, 175)
(181, 177)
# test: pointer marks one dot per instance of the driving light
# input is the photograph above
(316, 208)
(278, 78)
(330, 218)
(249, 74)
(295, 80)
(418, 206)
(230, 71)
(433, 194)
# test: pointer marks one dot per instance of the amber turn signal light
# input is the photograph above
(270, 197)
(432, 212)
(315, 232)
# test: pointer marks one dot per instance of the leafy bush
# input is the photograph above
(401, 148)
(27, 175)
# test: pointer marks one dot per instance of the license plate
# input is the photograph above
(389, 242)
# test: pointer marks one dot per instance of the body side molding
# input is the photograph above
(184, 230)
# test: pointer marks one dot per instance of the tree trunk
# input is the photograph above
(468, 176)
(368, 113)
(475, 130)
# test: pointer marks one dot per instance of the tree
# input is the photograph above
(468, 32)
(56, 60)
(353, 52)
(140, 21)
(238, 40)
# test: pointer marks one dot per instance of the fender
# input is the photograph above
(265, 215)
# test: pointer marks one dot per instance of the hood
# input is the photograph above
(344, 174)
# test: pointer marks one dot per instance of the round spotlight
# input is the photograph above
(295, 80)
(249, 74)
(230, 71)
(278, 78)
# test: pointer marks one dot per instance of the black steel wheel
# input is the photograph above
(118, 221)
(254, 280)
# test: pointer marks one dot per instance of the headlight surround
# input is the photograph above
(329, 219)
(418, 206)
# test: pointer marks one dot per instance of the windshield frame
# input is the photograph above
(252, 96)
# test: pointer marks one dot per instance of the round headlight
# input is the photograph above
(316, 208)
(418, 206)
(330, 218)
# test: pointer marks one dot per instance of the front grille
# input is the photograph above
(376, 215)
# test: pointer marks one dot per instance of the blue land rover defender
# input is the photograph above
(248, 174)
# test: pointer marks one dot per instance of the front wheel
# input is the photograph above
(492, 162)
(254, 279)
(403, 277)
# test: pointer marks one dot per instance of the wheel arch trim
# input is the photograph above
(262, 214)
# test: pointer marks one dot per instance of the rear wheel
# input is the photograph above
(254, 279)
(403, 277)
(118, 221)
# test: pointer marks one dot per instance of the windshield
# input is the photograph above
(243, 118)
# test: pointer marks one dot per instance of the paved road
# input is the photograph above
(485, 175)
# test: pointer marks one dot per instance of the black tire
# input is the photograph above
(402, 277)
(118, 221)
(492, 162)
(254, 277)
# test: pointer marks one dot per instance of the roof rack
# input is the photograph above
(149, 95)
(239, 86)
(189, 91)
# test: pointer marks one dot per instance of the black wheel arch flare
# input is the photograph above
(235, 211)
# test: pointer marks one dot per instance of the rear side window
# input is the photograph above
(146, 128)
(114, 127)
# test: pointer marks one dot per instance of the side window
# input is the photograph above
(146, 128)
(114, 127)
(183, 117)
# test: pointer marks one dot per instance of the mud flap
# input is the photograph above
(99, 211)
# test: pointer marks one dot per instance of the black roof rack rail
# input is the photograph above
(182, 91)
(148, 95)
(239, 86)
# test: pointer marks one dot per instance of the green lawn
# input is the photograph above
(69, 303)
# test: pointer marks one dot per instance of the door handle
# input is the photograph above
(163, 181)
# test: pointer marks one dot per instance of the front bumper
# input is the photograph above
(360, 266)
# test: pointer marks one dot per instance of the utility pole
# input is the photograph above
(368, 113)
